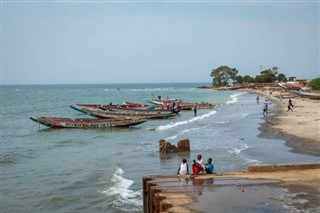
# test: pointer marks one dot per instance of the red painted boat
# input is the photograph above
(54, 122)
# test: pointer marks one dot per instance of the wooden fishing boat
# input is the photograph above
(135, 104)
(54, 122)
(156, 112)
(290, 85)
(167, 103)
(120, 113)
(310, 95)
(125, 105)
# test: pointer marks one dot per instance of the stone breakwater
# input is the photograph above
(270, 187)
(166, 147)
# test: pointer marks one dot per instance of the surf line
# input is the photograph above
(233, 98)
(121, 189)
(194, 119)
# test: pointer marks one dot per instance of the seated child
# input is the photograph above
(209, 166)
(198, 165)
(183, 168)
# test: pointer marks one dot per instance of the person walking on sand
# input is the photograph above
(290, 103)
(265, 108)
(183, 168)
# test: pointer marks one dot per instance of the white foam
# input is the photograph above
(171, 137)
(151, 89)
(238, 151)
(233, 98)
(182, 132)
(121, 190)
(194, 119)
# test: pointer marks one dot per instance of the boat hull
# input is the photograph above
(53, 122)
(121, 114)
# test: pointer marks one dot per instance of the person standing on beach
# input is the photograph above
(265, 108)
(195, 109)
(258, 99)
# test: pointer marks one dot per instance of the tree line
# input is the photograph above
(224, 75)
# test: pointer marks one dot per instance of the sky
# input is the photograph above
(76, 42)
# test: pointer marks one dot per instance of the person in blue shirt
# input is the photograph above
(209, 166)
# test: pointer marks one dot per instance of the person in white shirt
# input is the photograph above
(183, 168)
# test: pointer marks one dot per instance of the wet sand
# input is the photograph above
(263, 188)
(300, 128)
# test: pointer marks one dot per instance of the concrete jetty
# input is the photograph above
(261, 187)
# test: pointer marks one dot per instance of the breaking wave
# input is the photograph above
(182, 132)
(233, 98)
(179, 123)
(122, 192)
(238, 150)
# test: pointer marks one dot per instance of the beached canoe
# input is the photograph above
(121, 114)
(54, 122)
(118, 106)
(310, 95)
(167, 103)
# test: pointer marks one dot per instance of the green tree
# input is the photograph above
(315, 84)
(260, 78)
(269, 75)
(281, 77)
(239, 79)
(248, 79)
(223, 75)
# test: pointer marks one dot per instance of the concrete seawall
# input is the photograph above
(282, 167)
(185, 193)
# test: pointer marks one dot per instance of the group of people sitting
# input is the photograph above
(197, 166)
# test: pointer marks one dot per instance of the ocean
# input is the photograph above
(101, 170)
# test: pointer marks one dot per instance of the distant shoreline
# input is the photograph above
(300, 128)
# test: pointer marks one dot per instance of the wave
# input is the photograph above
(121, 191)
(151, 89)
(233, 98)
(238, 151)
(182, 132)
(179, 123)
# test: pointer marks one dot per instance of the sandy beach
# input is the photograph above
(300, 128)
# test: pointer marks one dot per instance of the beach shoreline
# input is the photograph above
(299, 128)
(288, 187)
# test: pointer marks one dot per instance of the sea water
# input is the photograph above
(101, 170)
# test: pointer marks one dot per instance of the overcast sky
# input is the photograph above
(58, 42)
